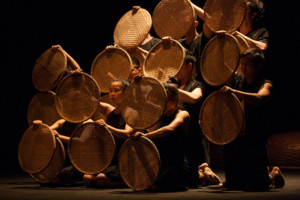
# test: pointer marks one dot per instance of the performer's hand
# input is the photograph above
(57, 46)
(137, 134)
(135, 9)
(226, 89)
(101, 122)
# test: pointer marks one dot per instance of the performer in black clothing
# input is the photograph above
(191, 93)
(110, 177)
(250, 30)
(246, 157)
(168, 138)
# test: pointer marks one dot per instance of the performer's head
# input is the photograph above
(117, 88)
(255, 10)
(251, 61)
(172, 94)
(187, 69)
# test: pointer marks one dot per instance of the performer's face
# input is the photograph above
(116, 92)
(248, 67)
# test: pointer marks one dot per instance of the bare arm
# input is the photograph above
(200, 13)
(191, 97)
(253, 98)
(253, 43)
(74, 65)
(120, 133)
(181, 121)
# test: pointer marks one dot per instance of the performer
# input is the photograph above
(246, 157)
(168, 138)
(110, 177)
(256, 36)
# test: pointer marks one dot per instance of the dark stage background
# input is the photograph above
(85, 27)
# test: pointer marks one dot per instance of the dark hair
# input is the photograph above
(125, 83)
(172, 90)
(257, 56)
(256, 6)
(189, 58)
(135, 62)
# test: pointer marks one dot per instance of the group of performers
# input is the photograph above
(183, 149)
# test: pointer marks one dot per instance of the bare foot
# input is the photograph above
(277, 180)
(207, 176)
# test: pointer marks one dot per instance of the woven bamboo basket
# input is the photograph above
(164, 60)
(221, 117)
(173, 18)
(224, 15)
(139, 163)
(49, 69)
(111, 64)
(220, 59)
(91, 148)
(36, 148)
(143, 103)
(55, 166)
(42, 107)
(77, 97)
(132, 28)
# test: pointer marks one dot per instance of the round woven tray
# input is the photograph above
(221, 117)
(220, 59)
(164, 60)
(42, 107)
(143, 103)
(284, 149)
(77, 97)
(111, 64)
(91, 148)
(36, 148)
(55, 166)
(225, 15)
(132, 28)
(243, 44)
(173, 18)
(139, 163)
(49, 69)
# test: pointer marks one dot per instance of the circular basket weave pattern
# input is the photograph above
(143, 103)
(164, 60)
(132, 28)
(284, 149)
(36, 148)
(221, 117)
(173, 18)
(55, 166)
(48, 69)
(224, 15)
(139, 163)
(42, 107)
(220, 59)
(91, 148)
(77, 97)
(111, 64)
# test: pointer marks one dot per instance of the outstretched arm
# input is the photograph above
(73, 64)
(258, 98)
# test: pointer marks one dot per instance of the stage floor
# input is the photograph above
(23, 187)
